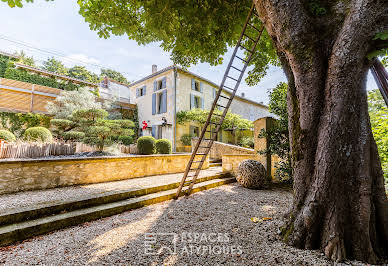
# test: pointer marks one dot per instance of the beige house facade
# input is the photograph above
(161, 95)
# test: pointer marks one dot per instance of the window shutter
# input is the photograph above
(155, 85)
(214, 93)
(164, 102)
(144, 90)
(154, 130)
(164, 82)
(154, 103)
(137, 92)
(191, 101)
(203, 103)
(201, 86)
(193, 84)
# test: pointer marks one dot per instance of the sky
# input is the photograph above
(45, 29)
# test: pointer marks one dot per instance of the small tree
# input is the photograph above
(92, 125)
(277, 136)
(56, 66)
(71, 101)
(113, 74)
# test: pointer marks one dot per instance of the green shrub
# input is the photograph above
(41, 134)
(7, 135)
(125, 140)
(73, 135)
(186, 139)
(146, 145)
(163, 146)
(247, 142)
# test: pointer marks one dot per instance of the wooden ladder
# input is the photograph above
(381, 77)
(217, 119)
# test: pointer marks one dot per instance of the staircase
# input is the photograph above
(21, 223)
(235, 70)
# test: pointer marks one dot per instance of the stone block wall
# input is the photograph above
(219, 149)
(33, 174)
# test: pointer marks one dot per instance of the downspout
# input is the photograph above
(175, 77)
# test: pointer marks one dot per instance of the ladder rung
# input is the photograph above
(197, 162)
(200, 153)
(236, 69)
(242, 46)
(250, 38)
(225, 97)
(241, 60)
(194, 169)
(254, 13)
(221, 106)
(214, 123)
(227, 88)
(232, 78)
(204, 147)
(253, 27)
(217, 114)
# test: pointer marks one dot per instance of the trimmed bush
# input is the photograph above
(186, 139)
(146, 145)
(73, 135)
(7, 135)
(163, 146)
(40, 134)
(125, 140)
(247, 142)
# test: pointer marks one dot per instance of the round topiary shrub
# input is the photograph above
(252, 174)
(40, 134)
(146, 145)
(125, 140)
(73, 135)
(7, 135)
(163, 146)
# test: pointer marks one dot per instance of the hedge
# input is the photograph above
(40, 134)
(7, 135)
(163, 146)
(146, 145)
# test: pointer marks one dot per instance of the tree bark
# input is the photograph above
(340, 205)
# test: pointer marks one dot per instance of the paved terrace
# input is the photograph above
(28, 198)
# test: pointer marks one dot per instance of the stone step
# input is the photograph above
(215, 164)
(17, 215)
(21, 231)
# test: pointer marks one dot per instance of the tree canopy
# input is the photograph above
(113, 74)
(56, 66)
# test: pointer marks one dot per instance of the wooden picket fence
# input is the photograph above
(37, 150)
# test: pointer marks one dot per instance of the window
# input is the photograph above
(141, 91)
(160, 84)
(159, 102)
(194, 131)
(196, 102)
(196, 85)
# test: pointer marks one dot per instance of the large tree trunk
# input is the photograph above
(340, 205)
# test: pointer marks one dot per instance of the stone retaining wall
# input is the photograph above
(219, 149)
(33, 174)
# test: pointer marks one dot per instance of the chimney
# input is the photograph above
(154, 69)
(243, 94)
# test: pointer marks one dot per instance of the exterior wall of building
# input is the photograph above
(144, 104)
(115, 91)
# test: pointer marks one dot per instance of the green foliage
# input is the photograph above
(18, 122)
(73, 135)
(277, 136)
(7, 135)
(163, 146)
(125, 140)
(18, 3)
(113, 74)
(186, 139)
(24, 59)
(56, 66)
(247, 142)
(146, 145)
(80, 72)
(40, 134)
(378, 113)
(23, 75)
(317, 8)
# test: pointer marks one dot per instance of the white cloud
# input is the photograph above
(79, 59)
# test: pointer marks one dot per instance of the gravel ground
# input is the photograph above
(23, 199)
(226, 211)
